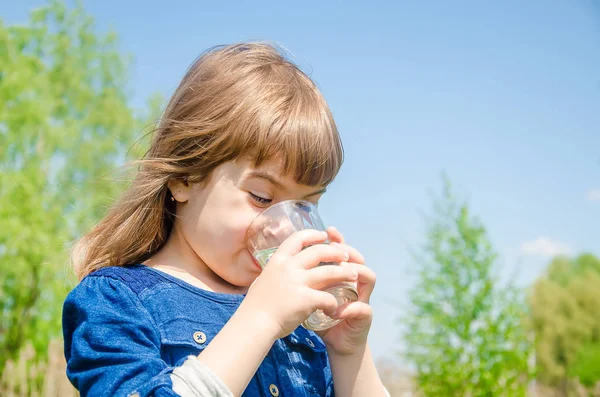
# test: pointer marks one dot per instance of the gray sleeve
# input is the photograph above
(194, 379)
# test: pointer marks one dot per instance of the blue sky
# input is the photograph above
(505, 98)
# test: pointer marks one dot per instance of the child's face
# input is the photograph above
(215, 218)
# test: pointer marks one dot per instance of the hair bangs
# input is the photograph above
(304, 137)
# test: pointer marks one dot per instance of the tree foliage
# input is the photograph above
(65, 123)
(565, 310)
(465, 334)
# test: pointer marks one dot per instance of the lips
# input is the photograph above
(256, 263)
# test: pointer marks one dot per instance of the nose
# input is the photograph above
(279, 229)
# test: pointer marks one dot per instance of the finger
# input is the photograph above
(365, 282)
(298, 240)
(355, 311)
(324, 301)
(313, 255)
(322, 276)
(335, 235)
(355, 255)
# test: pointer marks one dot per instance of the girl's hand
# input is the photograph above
(288, 289)
(350, 336)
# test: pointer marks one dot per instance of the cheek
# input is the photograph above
(219, 228)
(233, 230)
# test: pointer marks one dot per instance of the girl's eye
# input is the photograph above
(260, 200)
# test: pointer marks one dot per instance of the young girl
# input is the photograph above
(170, 301)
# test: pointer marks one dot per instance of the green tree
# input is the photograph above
(565, 312)
(465, 334)
(65, 123)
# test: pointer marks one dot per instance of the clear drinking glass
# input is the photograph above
(272, 227)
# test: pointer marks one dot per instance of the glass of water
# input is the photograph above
(272, 227)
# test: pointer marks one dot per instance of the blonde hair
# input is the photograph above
(240, 100)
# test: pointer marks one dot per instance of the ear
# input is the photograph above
(180, 189)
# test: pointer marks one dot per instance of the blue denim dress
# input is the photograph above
(127, 328)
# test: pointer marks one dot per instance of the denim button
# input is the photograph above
(199, 337)
(310, 342)
(274, 390)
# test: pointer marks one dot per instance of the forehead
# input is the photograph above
(274, 166)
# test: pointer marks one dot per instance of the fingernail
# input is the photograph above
(346, 256)
(335, 314)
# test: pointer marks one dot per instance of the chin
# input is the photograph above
(248, 282)
(244, 281)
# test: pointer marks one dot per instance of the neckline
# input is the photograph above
(215, 296)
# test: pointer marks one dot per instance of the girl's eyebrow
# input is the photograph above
(277, 183)
(268, 177)
(320, 191)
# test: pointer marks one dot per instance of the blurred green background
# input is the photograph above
(67, 125)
